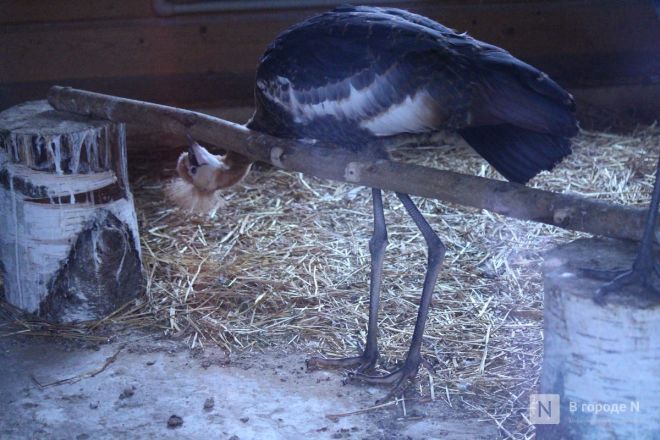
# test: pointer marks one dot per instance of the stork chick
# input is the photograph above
(201, 174)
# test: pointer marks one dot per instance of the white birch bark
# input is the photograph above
(69, 242)
(603, 360)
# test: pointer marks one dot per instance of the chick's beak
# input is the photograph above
(192, 157)
(198, 156)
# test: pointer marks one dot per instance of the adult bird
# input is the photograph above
(357, 76)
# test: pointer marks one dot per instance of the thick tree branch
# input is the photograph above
(510, 199)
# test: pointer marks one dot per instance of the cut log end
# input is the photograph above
(602, 360)
(585, 265)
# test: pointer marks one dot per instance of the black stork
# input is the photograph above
(362, 74)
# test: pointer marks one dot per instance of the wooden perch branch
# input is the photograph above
(509, 199)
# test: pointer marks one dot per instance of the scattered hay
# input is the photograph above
(285, 261)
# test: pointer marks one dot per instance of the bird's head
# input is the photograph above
(205, 171)
(202, 174)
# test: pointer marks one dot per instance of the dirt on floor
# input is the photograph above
(144, 385)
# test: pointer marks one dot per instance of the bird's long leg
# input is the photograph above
(644, 268)
(436, 253)
(377, 244)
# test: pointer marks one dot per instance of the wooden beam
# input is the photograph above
(208, 60)
(509, 199)
(39, 11)
(193, 89)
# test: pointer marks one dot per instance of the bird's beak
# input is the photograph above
(192, 157)
(198, 156)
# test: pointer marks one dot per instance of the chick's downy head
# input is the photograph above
(201, 175)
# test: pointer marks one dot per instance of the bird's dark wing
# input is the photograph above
(513, 92)
(362, 72)
(504, 88)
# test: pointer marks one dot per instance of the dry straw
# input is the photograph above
(285, 261)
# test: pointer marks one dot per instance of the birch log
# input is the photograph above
(602, 360)
(69, 243)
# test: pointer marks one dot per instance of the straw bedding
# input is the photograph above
(285, 261)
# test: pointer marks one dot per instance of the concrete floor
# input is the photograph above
(132, 388)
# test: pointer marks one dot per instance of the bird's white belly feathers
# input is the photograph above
(414, 114)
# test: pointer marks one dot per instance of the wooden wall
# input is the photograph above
(123, 47)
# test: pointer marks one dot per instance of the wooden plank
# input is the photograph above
(233, 42)
(191, 90)
(211, 59)
(618, 108)
(541, 28)
(35, 11)
(133, 48)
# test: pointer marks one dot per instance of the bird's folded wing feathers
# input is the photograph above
(394, 72)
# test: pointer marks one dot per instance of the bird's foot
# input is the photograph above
(399, 377)
(360, 364)
(643, 277)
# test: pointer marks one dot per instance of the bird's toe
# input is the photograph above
(361, 364)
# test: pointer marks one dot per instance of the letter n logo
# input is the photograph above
(544, 409)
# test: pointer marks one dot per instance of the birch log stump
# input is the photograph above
(69, 243)
(603, 360)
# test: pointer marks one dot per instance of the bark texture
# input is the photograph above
(509, 199)
(69, 243)
(603, 360)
